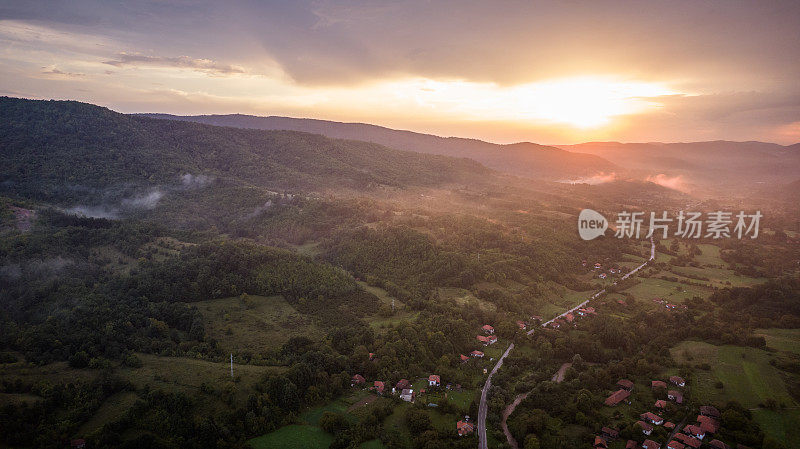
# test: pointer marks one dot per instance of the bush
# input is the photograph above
(79, 360)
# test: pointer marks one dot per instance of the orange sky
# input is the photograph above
(553, 72)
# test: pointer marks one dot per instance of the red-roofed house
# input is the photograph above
(661, 403)
(483, 339)
(491, 339)
(478, 354)
(674, 395)
(669, 425)
(464, 358)
(708, 424)
(464, 428)
(717, 444)
(675, 445)
(358, 379)
(630, 444)
(658, 384)
(522, 325)
(80, 443)
(609, 432)
(488, 329)
(650, 444)
(403, 384)
(647, 428)
(689, 441)
(625, 384)
(433, 380)
(569, 317)
(677, 380)
(709, 410)
(652, 418)
(617, 397)
(599, 442)
(378, 386)
(694, 431)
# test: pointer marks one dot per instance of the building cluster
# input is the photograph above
(670, 306)
(691, 436)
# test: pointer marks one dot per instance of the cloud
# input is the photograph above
(55, 71)
(183, 62)
(670, 182)
(191, 181)
(147, 201)
(599, 178)
(113, 210)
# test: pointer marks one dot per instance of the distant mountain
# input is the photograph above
(523, 159)
(704, 163)
(61, 150)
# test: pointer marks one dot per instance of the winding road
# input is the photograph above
(483, 407)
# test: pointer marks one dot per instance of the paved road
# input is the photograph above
(483, 407)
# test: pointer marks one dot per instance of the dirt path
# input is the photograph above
(506, 413)
(558, 377)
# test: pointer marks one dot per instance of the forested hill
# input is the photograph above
(523, 159)
(51, 148)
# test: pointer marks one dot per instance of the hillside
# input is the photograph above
(524, 159)
(65, 150)
(709, 163)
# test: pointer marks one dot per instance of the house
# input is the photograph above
(478, 354)
(464, 427)
(433, 380)
(583, 262)
(522, 325)
(625, 384)
(569, 317)
(708, 410)
(79, 443)
(689, 441)
(358, 379)
(646, 427)
(661, 404)
(671, 306)
(677, 381)
(708, 424)
(598, 265)
(630, 444)
(617, 397)
(371, 355)
(674, 395)
(717, 444)
(622, 302)
(600, 442)
(650, 444)
(464, 358)
(602, 276)
(587, 311)
(488, 329)
(675, 445)
(491, 339)
(694, 431)
(407, 395)
(669, 425)
(403, 384)
(483, 339)
(609, 432)
(658, 384)
(378, 386)
(652, 418)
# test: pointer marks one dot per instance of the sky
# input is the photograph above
(504, 71)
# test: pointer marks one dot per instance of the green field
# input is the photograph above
(745, 373)
(748, 378)
(258, 324)
(787, 340)
(648, 288)
(295, 436)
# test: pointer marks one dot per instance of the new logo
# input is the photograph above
(591, 224)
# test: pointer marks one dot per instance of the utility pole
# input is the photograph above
(231, 365)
